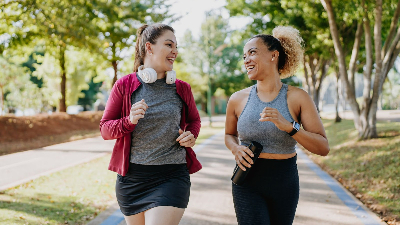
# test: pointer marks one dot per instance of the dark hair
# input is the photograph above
(147, 33)
(287, 41)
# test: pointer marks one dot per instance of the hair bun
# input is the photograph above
(292, 44)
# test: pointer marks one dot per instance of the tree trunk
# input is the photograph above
(115, 66)
(2, 100)
(337, 118)
(63, 106)
(312, 66)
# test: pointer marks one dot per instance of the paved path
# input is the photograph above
(322, 199)
(22, 167)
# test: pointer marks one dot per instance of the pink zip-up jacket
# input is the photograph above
(115, 123)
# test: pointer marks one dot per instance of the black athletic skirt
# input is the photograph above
(148, 186)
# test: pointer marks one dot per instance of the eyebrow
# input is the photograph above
(170, 40)
(250, 50)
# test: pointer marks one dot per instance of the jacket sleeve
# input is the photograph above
(193, 117)
(113, 125)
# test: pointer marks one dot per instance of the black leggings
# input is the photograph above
(269, 195)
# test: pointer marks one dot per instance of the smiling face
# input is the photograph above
(258, 60)
(161, 55)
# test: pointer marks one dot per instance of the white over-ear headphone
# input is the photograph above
(149, 75)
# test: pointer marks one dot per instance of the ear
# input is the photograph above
(149, 49)
(274, 55)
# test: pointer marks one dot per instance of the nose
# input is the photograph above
(175, 51)
(246, 60)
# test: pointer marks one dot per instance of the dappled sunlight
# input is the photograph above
(368, 168)
(75, 195)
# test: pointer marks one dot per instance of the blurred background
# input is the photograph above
(64, 56)
(60, 58)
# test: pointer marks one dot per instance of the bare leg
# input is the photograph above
(137, 219)
(166, 215)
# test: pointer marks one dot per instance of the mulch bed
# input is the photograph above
(30, 132)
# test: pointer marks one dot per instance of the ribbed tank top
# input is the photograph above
(250, 128)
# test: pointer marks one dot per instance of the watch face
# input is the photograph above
(296, 126)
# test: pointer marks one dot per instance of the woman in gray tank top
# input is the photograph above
(271, 113)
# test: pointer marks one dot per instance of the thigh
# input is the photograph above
(282, 200)
(166, 215)
(250, 207)
(137, 219)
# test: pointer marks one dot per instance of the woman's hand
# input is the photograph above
(137, 111)
(273, 115)
(186, 139)
(242, 156)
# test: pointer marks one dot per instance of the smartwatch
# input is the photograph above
(296, 127)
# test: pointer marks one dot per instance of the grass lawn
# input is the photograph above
(369, 169)
(72, 196)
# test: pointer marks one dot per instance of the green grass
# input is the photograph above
(370, 168)
(73, 196)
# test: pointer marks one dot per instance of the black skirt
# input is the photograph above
(148, 186)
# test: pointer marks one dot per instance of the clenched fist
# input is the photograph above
(186, 138)
(137, 111)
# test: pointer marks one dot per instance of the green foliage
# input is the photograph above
(90, 95)
(117, 22)
(215, 55)
(17, 91)
(30, 65)
(77, 36)
(307, 16)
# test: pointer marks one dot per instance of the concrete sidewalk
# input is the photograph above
(322, 199)
(21, 167)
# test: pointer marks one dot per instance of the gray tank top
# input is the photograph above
(250, 128)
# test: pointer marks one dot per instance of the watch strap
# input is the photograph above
(294, 131)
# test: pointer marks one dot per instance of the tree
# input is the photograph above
(215, 57)
(117, 22)
(90, 95)
(59, 23)
(16, 91)
(379, 59)
(30, 65)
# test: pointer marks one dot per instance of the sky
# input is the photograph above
(193, 14)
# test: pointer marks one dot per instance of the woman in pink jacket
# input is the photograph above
(154, 118)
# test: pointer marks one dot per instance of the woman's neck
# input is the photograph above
(269, 84)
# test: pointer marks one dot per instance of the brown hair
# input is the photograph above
(147, 33)
(287, 41)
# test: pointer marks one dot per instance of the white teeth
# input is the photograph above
(250, 67)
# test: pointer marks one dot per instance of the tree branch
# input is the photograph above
(354, 53)
(393, 26)
(369, 62)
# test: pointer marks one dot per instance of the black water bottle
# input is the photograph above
(238, 174)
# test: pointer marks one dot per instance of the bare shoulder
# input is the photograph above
(240, 95)
(298, 95)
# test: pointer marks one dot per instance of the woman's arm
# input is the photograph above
(242, 154)
(312, 137)
(112, 125)
(193, 117)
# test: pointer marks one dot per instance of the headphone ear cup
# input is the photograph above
(171, 77)
(148, 75)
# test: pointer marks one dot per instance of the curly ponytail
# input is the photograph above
(147, 33)
(287, 41)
